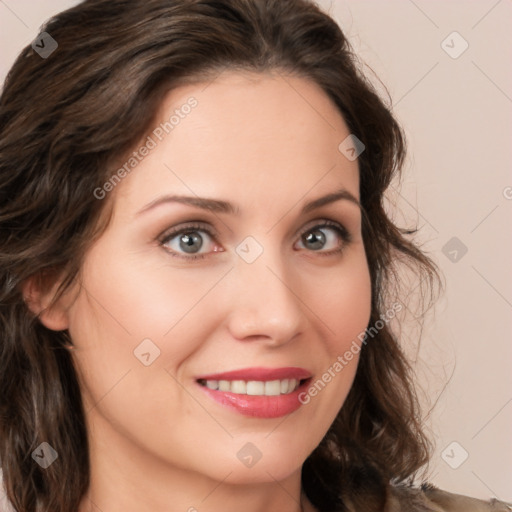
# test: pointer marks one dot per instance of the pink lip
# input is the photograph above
(259, 406)
(261, 374)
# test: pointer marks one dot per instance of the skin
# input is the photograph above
(268, 144)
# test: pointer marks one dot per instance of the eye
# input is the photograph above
(188, 240)
(315, 238)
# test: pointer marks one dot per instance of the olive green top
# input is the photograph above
(429, 498)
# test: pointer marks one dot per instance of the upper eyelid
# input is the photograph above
(336, 211)
(319, 221)
(191, 226)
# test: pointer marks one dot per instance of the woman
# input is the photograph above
(198, 275)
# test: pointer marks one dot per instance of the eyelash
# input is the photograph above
(325, 223)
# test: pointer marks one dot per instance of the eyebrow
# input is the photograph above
(219, 206)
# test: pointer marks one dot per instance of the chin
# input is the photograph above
(254, 460)
(269, 472)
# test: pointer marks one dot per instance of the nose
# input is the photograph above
(265, 301)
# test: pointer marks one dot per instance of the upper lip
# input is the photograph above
(260, 374)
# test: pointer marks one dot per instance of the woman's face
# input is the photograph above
(264, 280)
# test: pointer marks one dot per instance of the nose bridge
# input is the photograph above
(264, 300)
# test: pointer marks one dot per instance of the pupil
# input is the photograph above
(187, 242)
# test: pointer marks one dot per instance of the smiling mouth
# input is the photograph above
(254, 387)
(257, 392)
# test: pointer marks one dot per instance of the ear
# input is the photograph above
(39, 291)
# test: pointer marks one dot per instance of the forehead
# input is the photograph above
(255, 137)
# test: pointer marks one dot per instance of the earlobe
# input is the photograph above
(38, 293)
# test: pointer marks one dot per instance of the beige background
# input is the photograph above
(457, 116)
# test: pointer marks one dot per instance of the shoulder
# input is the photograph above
(428, 498)
(5, 504)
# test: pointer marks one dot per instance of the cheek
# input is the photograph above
(344, 305)
(132, 298)
(129, 308)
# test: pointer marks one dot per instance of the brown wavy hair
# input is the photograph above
(65, 119)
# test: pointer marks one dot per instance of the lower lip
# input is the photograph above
(260, 406)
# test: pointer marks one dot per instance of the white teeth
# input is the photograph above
(254, 387)
(212, 384)
(224, 385)
(239, 386)
(272, 387)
